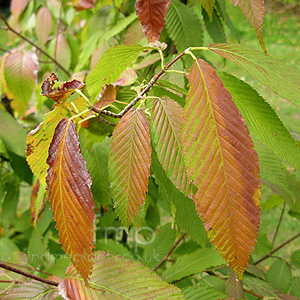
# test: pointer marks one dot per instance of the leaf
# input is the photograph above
(253, 10)
(69, 186)
(39, 139)
(31, 290)
(259, 286)
(295, 287)
(280, 275)
(129, 163)
(134, 34)
(44, 21)
(234, 287)
(184, 26)
(83, 4)
(203, 293)
(20, 73)
(115, 277)
(192, 263)
(208, 5)
(167, 123)
(223, 165)
(152, 15)
(63, 50)
(38, 198)
(295, 258)
(17, 7)
(110, 66)
(64, 91)
(262, 120)
(282, 79)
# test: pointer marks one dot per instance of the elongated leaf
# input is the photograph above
(134, 34)
(234, 287)
(152, 15)
(63, 50)
(20, 73)
(129, 163)
(203, 293)
(253, 10)
(31, 290)
(38, 199)
(184, 26)
(167, 124)
(192, 263)
(115, 277)
(69, 186)
(17, 7)
(208, 5)
(222, 163)
(262, 120)
(44, 21)
(280, 275)
(282, 79)
(110, 66)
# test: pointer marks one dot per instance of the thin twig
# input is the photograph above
(170, 252)
(254, 294)
(276, 249)
(58, 27)
(32, 269)
(105, 121)
(34, 45)
(29, 275)
(279, 222)
(141, 94)
(11, 281)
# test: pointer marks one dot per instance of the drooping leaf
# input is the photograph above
(44, 21)
(208, 5)
(203, 293)
(62, 53)
(262, 120)
(234, 286)
(223, 165)
(253, 10)
(280, 275)
(184, 26)
(63, 92)
(99, 37)
(129, 164)
(282, 79)
(110, 66)
(152, 15)
(20, 73)
(192, 263)
(116, 277)
(167, 123)
(31, 290)
(69, 187)
(17, 7)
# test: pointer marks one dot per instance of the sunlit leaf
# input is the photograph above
(110, 66)
(167, 123)
(192, 263)
(20, 73)
(17, 7)
(234, 286)
(129, 164)
(208, 5)
(253, 10)
(116, 277)
(282, 79)
(69, 192)
(44, 21)
(223, 165)
(152, 15)
(63, 92)
(184, 26)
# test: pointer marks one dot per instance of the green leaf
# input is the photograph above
(295, 291)
(110, 66)
(155, 250)
(208, 5)
(115, 277)
(184, 26)
(295, 259)
(193, 263)
(262, 120)
(280, 275)
(234, 286)
(282, 79)
(99, 37)
(259, 286)
(203, 293)
(7, 249)
(111, 246)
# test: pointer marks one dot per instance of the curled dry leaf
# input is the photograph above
(64, 91)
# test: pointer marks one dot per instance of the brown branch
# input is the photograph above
(105, 121)
(34, 45)
(141, 94)
(170, 252)
(11, 281)
(276, 249)
(279, 222)
(32, 269)
(254, 294)
(26, 274)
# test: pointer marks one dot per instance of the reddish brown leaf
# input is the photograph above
(36, 208)
(84, 4)
(129, 164)
(134, 34)
(223, 164)
(69, 185)
(152, 15)
(17, 6)
(44, 21)
(64, 91)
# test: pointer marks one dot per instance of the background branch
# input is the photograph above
(279, 222)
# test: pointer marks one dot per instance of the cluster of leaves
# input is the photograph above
(150, 149)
